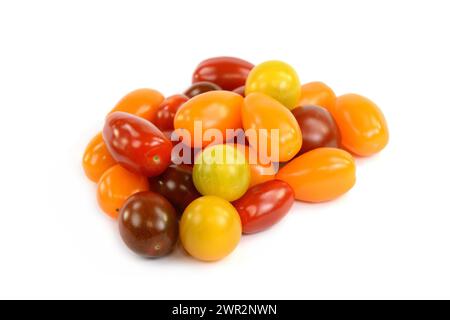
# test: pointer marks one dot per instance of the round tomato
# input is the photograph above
(201, 87)
(269, 119)
(362, 124)
(115, 186)
(227, 72)
(317, 94)
(96, 158)
(148, 224)
(320, 175)
(137, 144)
(219, 110)
(222, 170)
(264, 205)
(276, 79)
(142, 103)
(210, 228)
(166, 111)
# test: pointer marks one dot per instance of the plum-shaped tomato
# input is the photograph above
(148, 224)
(318, 128)
(177, 186)
(261, 169)
(166, 111)
(264, 205)
(141, 102)
(269, 119)
(210, 228)
(137, 144)
(201, 87)
(276, 79)
(363, 127)
(227, 72)
(317, 94)
(115, 186)
(96, 158)
(320, 175)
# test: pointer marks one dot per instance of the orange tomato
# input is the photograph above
(115, 186)
(261, 170)
(96, 158)
(219, 110)
(263, 114)
(320, 175)
(362, 124)
(143, 103)
(317, 94)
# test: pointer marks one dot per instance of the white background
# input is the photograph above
(63, 66)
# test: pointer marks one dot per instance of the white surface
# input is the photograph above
(63, 65)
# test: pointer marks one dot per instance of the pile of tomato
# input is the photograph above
(210, 202)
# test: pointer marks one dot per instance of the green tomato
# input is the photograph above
(276, 79)
(222, 171)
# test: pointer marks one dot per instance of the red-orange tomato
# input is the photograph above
(96, 158)
(264, 114)
(167, 110)
(317, 94)
(219, 110)
(115, 186)
(320, 175)
(362, 125)
(141, 102)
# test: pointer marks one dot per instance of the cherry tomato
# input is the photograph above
(221, 170)
(167, 110)
(148, 224)
(137, 144)
(260, 113)
(201, 87)
(317, 94)
(276, 79)
(227, 72)
(261, 169)
(240, 90)
(142, 103)
(320, 175)
(115, 186)
(210, 228)
(362, 124)
(177, 186)
(318, 128)
(96, 158)
(264, 205)
(219, 110)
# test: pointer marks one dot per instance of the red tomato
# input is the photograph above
(137, 144)
(227, 72)
(167, 110)
(264, 205)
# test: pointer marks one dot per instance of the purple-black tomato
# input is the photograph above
(201, 87)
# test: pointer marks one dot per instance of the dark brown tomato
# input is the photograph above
(201, 87)
(167, 110)
(318, 128)
(177, 186)
(148, 224)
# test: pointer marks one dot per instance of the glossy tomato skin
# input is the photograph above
(261, 112)
(264, 205)
(137, 144)
(318, 128)
(220, 110)
(320, 175)
(222, 170)
(96, 158)
(317, 94)
(165, 113)
(276, 79)
(177, 186)
(201, 87)
(261, 169)
(362, 124)
(227, 72)
(210, 228)
(115, 186)
(141, 102)
(148, 225)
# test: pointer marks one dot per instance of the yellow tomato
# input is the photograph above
(276, 79)
(210, 228)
